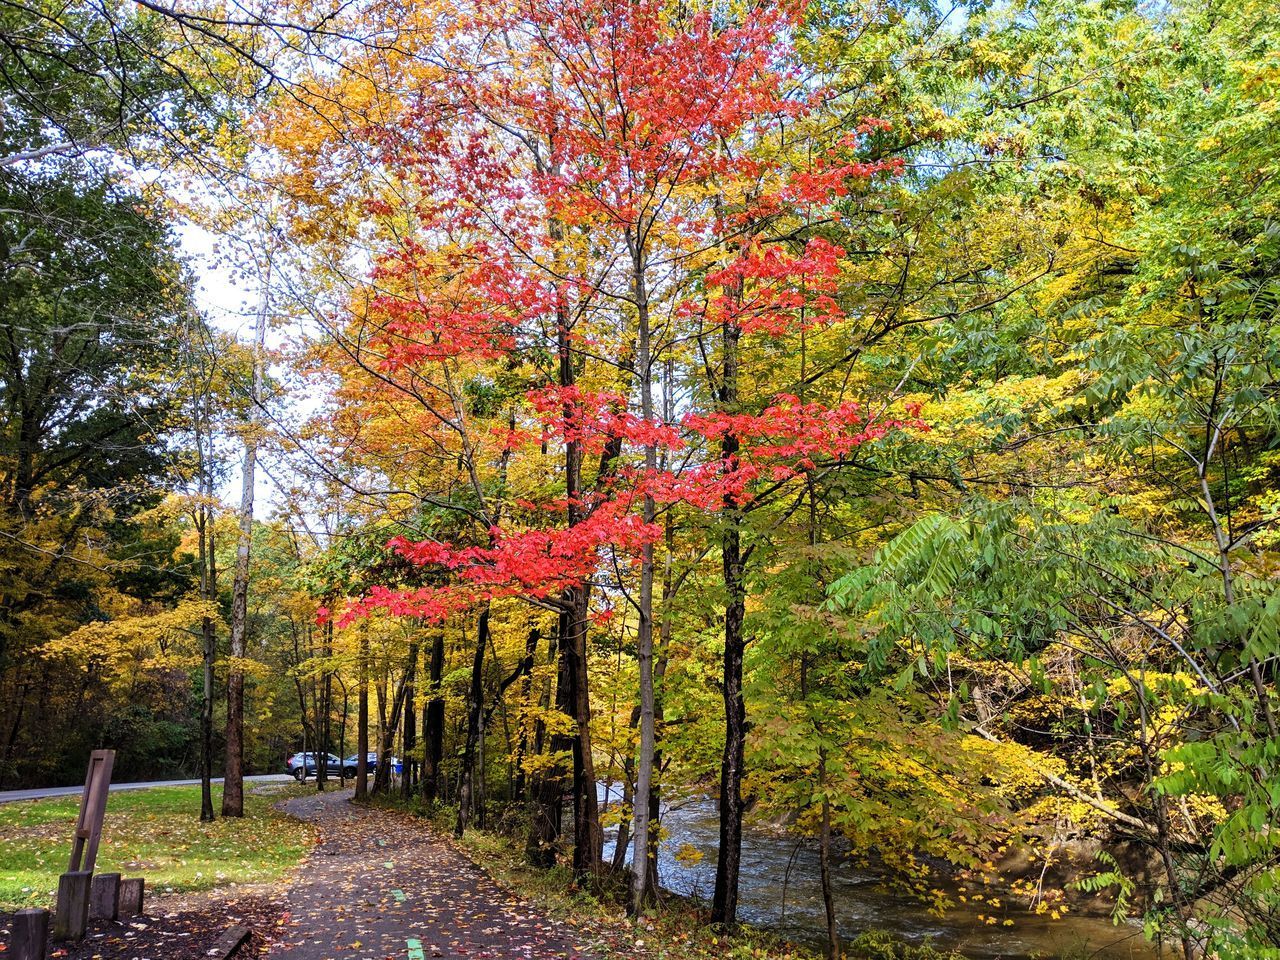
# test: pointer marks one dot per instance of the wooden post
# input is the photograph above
(30, 934)
(72, 916)
(93, 805)
(104, 896)
(130, 902)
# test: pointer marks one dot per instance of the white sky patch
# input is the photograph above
(229, 300)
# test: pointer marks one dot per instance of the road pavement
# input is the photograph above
(8, 796)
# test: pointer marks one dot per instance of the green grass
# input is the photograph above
(154, 833)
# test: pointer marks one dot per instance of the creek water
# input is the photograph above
(780, 890)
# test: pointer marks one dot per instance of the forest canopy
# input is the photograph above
(861, 413)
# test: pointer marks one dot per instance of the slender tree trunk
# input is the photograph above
(824, 856)
(644, 635)
(382, 774)
(572, 688)
(480, 782)
(324, 715)
(724, 904)
(588, 840)
(660, 666)
(362, 721)
(208, 643)
(308, 732)
(233, 783)
(208, 639)
(546, 814)
(522, 741)
(622, 846)
(342, 731)
(410, 724)
(466, 781)
(433, 725)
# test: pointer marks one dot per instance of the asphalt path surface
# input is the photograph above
(8, 796)
(383, 886)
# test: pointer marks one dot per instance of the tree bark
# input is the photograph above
(547, 809)
(572, 689)
(324, 712)
(433, 725)
(382, 774)
(644, 634)
(362, 721)
(466, 780)
(233, 782)
(724, 904)
(208, 636)
(824, 857)
(526, 694)
(588, 841)
(208, 643)
(410, 725)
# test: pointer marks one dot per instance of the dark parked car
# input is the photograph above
(371, 761)
(303, 765)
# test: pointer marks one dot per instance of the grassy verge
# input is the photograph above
(155, 833)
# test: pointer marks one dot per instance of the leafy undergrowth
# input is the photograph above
(678, 932)
(154, 833)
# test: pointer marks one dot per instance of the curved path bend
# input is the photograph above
(381, 885)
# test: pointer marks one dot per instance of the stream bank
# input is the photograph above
(779, 891)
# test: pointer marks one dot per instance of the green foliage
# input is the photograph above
(879, 946)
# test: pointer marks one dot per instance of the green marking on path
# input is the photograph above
(388, 864)
(415, 950)
(399, 895)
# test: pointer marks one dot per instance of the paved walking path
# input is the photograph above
(381, 885)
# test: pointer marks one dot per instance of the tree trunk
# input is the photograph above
(233, 783)
(466, 781)
(410, 724)
(644, 635)
(342, 730)
(547, 809)
(622, 845)
(724, 904)
(824, 857)
(588, 840)
(433, 725)
(362, 721)
(208, 644)
(208, 639)
(522, 742)
(572, 689)
(324, 712)
(660, 667)
(382, 774)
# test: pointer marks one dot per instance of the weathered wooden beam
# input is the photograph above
(232, 939)
(104, 896)
(30, 934)
(93, 806)
(71, 917)
(129, 903)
